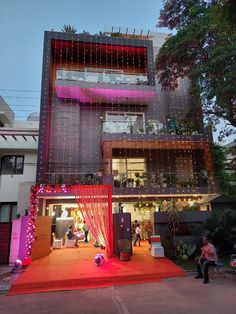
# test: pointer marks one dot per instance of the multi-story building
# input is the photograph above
(18, 158)
(106, 120)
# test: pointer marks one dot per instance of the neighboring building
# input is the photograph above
(18, 158)
(105, 119)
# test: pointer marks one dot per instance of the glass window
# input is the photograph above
(8, 212)
(130, 123)
(12, 165)
(5, 213)
(129, 170)
(184, 167)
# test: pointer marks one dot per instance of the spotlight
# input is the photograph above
(99, 259)
(17, 265)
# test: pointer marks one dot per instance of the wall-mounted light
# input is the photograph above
(102, 118)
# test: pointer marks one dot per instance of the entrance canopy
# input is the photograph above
(94, 202)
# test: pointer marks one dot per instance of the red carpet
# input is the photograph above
(74, 268)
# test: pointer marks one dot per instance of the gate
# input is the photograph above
(5, 242)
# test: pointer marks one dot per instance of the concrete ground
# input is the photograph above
(173, 295)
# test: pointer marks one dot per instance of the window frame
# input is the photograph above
(14, 172)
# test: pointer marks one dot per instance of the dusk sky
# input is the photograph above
(23, 23)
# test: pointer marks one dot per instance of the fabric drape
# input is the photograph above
(95, 204)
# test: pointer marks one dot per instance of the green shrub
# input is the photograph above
(221, 229)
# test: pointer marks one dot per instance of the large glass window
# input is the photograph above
(124, 123)
(12, 165)
(184, 167)
(129, 172)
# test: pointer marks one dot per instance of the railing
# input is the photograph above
(102, 77)
(140, 127)
(132, 179)
(73, 178)
(160, 180)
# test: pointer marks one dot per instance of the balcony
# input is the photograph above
(73, 178)
(162, 183)
(148, 183)
(161, 180)
(103, 87)
(102, 76)
(151, 130)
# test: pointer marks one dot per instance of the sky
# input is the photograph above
(22, 26)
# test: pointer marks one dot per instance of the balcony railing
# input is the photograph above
(131, 179)
(149, 127)
(73, 178)
(102, 77)
(159, 180)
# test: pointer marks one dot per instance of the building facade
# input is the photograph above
(18, 158)
(104, 119)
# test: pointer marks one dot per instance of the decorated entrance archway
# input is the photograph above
(94, 202)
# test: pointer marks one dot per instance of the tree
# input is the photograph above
(221, 229)
(69, 29)
(84, 33)
(204, 49)
(224, 178)
(173, 216)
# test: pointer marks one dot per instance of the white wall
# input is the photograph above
(9, 184)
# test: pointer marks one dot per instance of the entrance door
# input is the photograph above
(42, 242)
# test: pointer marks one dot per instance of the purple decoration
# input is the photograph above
(105, 95)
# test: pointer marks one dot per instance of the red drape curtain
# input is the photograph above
(95, 204)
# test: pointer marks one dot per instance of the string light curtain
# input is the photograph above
(95, 204)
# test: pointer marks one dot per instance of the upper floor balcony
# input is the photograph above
(149, 183)
(103, 86)
(107, 76)
(134, 127)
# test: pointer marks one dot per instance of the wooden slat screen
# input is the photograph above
(42, 242)
(5, 241)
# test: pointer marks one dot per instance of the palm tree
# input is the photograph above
(69, 29)
(173, 216)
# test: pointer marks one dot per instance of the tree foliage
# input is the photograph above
(204, 49)
(69, 29)
(224, 178)
(221, 229)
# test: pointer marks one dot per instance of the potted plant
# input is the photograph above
(150, 128)
(116, 183)
(137, 182)
(130, 182)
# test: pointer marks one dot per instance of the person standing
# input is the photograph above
(138, 235)
(86, 231)
(208, 258)
(133, 228)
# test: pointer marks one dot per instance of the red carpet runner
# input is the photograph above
(74, 268)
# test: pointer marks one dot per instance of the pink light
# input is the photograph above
(104, 95)
(18, 262)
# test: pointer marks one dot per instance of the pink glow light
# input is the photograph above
(103, 95)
